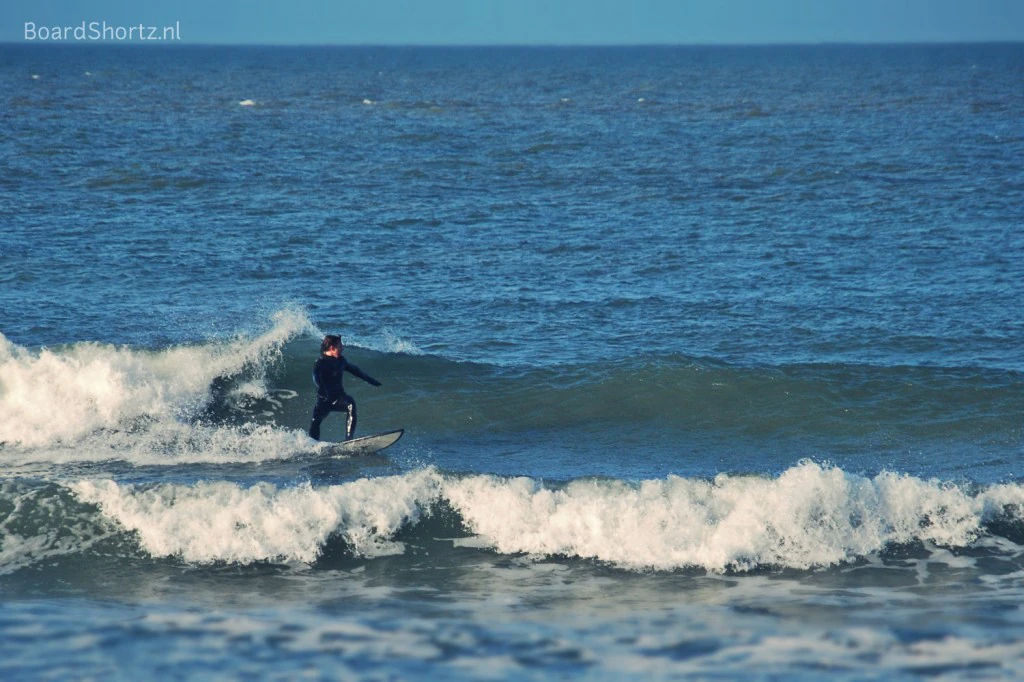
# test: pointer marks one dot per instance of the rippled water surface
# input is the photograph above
(709, 361)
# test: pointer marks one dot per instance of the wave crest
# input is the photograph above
(810, 516)
(222, 521)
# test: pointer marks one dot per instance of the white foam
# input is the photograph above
(809, 516)
(174, 443)
(247, 103)
(50, 397)
(222, 521)
(869, 651)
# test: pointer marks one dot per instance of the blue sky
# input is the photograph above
(567, 22)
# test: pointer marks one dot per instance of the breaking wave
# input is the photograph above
(59, 396)
(809, 516)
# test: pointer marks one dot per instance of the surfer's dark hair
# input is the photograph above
(330, 341)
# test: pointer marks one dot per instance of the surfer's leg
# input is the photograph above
(320, 410)
(350, 426)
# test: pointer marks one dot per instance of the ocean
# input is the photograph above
(710, 362)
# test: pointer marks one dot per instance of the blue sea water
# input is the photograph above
(709, 360)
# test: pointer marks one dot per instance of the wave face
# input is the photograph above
(248, 398)
(687, 393)
(809, 516)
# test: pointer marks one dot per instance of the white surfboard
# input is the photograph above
(367, 445)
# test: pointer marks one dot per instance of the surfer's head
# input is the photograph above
(330, 342)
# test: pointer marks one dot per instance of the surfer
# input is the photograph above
(330, 395)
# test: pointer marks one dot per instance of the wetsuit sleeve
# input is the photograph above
(355, 371)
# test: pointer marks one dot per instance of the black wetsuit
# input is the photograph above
(330, 394)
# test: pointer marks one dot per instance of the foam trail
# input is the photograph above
(176, 443)
(49, 397)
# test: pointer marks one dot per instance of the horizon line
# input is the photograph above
(821, 43)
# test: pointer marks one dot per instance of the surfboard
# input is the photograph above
(367, 445)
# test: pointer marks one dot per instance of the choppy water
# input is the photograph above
(709, 361)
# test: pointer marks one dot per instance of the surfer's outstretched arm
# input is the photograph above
(355, 371)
